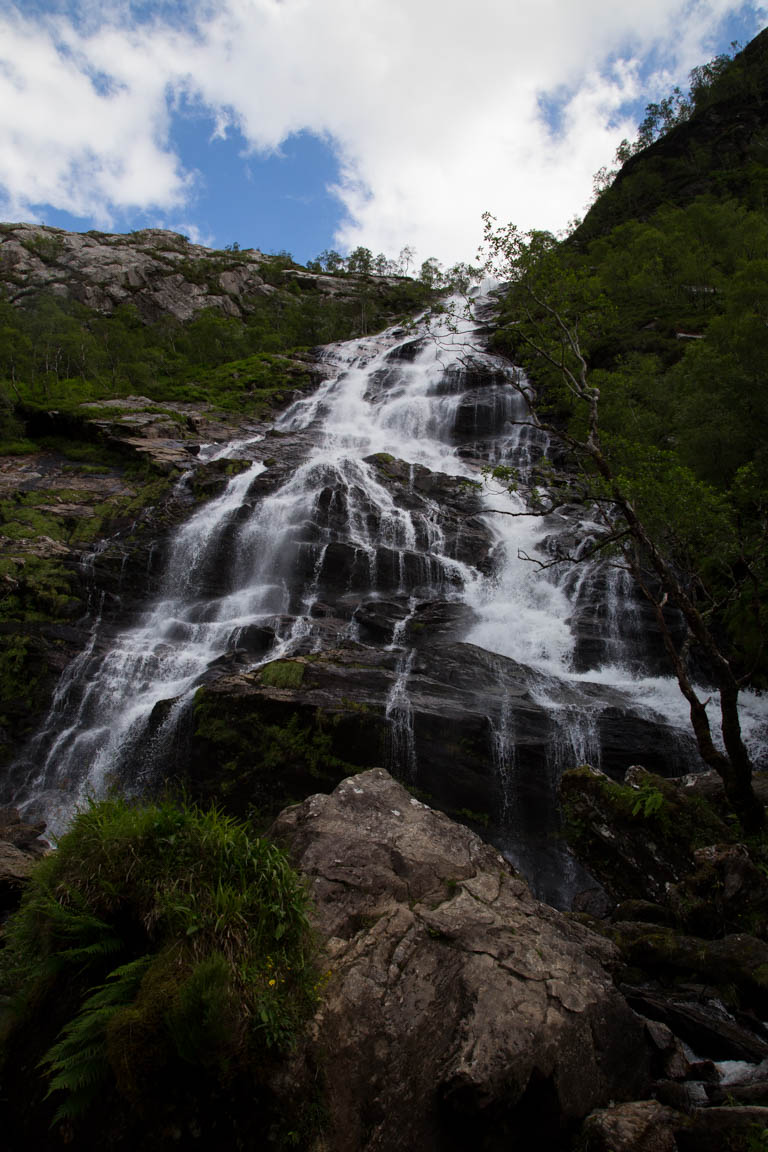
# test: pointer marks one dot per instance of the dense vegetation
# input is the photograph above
(160, 964)
(648, 341)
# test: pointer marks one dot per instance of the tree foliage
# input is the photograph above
(639, 409)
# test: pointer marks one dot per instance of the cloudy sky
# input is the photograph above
(306, 124)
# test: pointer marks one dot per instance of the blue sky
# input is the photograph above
(280, 201)
(308, 124)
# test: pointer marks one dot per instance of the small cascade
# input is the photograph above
(504, 756)
(399, 710)
(108, 704)
(65, 715)
(399, 713)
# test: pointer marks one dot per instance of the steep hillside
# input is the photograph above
(662, 290)
(721, 151)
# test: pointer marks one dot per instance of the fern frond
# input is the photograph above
(77, 1061)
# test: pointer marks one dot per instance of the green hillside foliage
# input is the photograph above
(161, 961)
(671, 310)
(57, 353)
(711, 140)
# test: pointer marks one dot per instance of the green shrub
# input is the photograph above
(158, 938)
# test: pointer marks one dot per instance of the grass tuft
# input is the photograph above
(164, 929)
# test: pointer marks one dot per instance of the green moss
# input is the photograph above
(82, 451)
(22, 675)
(282, 674)
(674, 817)
(255, 384)
(760, 975)
(17, 447)
(20, 519)
(355, 706)
(259, 754)
(470, 815)
(36, 589)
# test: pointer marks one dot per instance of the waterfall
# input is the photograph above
(379, 500)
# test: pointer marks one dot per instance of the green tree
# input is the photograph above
(406, 258)
(383, 266)
(331, 260)
(431, 273)
(675, 534)
(360, 260)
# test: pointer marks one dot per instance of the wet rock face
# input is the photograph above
(345, 698)
(20, 848)
(458, 1010)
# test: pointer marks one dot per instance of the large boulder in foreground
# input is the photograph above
(459, 1011)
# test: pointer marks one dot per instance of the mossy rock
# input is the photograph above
(636, 840)
(258, 752)
(282, 674)
(735, 967)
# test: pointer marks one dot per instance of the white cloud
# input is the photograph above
(432, 105)
(71, 137)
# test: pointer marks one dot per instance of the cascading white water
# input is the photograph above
(106, 708)
(233, 567)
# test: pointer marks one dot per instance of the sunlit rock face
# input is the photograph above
(160, 273)
(458, 1009)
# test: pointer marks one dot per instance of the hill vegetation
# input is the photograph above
(645, 332)
(57, 351)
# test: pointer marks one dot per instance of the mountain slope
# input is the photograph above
(721, 151)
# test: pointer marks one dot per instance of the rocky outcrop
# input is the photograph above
(21, 847)
(458, 1010)
(638, 1126)
(689, 920)
(664, 850)
(648, 1126)
(160, 273)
